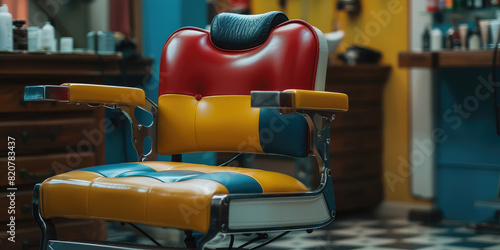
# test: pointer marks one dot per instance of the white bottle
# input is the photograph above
(474, 42)
(33, 38)
(436, 39)
(66, 44)
(48, 37)
(475, 39)
(6, 36)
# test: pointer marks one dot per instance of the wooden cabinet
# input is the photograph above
(51, 138)
(356, 149)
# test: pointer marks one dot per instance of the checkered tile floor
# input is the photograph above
(381, 234)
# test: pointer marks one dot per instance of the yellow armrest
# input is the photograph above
(319, 100)
(91, 93)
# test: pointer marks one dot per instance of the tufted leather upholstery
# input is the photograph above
(166, 194)
(236, 32)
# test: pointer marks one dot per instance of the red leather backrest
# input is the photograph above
(192, 65)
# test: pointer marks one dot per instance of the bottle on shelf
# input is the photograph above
(449, 38)
(48, 37)
(436, 39)
(426, 39)
(20, 35)
(463, 31)
(6, 40)
(484, 25)
(33, 38)
(474, 39)
(453, 37)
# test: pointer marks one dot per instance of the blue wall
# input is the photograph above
(468, 160)
(160, 18)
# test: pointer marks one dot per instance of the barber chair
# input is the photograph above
(253, 84)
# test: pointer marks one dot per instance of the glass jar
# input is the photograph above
(20, 35)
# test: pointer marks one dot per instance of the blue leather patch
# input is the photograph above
(164, 176)
(115, 170)
(234, 182)
(283, 134)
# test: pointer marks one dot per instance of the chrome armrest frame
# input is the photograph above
(141, 131)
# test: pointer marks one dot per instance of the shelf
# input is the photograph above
(13, 64)
(462, 11)
(446, 59)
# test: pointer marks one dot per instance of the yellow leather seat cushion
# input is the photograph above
(166, 194)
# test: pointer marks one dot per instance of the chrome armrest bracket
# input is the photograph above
(319, 127)
(144, 125)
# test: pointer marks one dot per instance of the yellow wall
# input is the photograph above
(319, 12)
(383, 25)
